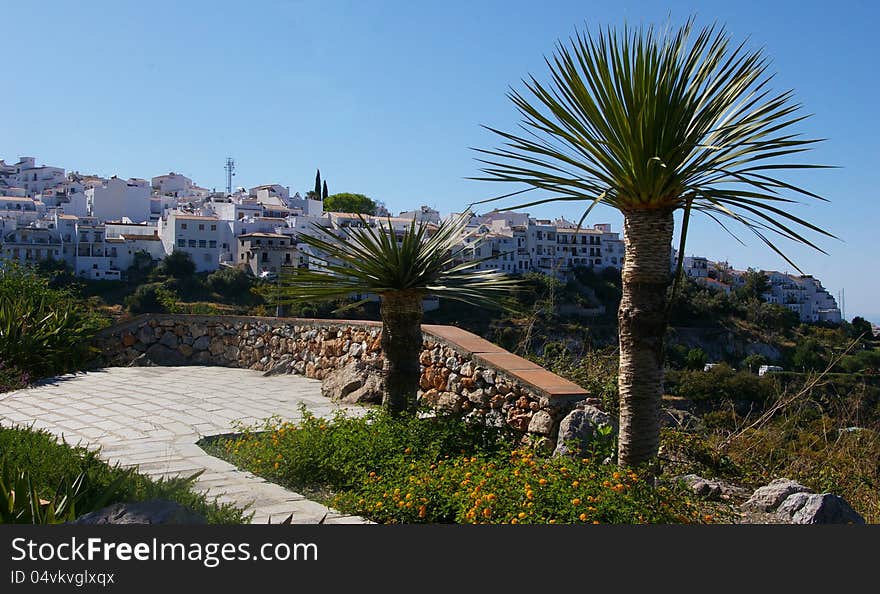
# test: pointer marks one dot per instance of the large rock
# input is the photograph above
(154, 511)
(579, 429)
(541, 423)
(822, 508)
(705, 488)
(770, 496)
(354, 382)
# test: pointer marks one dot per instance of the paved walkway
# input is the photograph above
(152, 417)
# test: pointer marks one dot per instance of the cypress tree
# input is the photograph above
(325, 190)
(318, 185)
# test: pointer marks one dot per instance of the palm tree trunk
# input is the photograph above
(642, 325)
(401, 344)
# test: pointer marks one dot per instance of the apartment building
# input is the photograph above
(198, 235)
(265, 252)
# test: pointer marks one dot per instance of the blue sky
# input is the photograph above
(387, 97)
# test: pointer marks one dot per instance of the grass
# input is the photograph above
(49, 463)
(445, 470)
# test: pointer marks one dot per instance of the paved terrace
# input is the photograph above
(152, 417)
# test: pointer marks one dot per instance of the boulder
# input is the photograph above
(822, 508)
(370, 392)
(354, 382)
(579, 429)
(541, 423)
(154, 511)
(770, 496)
(705, 488)
(680, 419)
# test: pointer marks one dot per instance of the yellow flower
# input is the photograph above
(530, 494)
(407, 450)
(487, 512)
(514, 521)
(521, 515)
(576, 501)
(575, 484)
(582, 517)
(423, 510)
(542, 481)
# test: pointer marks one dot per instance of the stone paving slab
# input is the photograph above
(152, 417)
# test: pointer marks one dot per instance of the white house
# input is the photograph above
(173, 184)
(199, 236)
(120, 198)
(27, 175)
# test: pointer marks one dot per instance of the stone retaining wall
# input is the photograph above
(461, 372)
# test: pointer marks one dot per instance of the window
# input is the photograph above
(192, 243)
(201, 227)
(183, 225)
(213, 227)
(212, 244)
(242, 257)
(265, 256)
(287, 257)
(181, 243)
(203, 243)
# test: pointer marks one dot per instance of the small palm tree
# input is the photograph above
(401, 269)
(650, 123)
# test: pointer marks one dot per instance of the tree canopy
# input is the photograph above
(349, 202)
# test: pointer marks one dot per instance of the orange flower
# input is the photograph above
(423, 510)
(576, 501)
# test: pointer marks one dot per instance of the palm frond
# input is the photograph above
(373, 258)
(640, 119)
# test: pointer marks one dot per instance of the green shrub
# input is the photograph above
(719, 383)
(232, 284)
(178, 264)
(443, 469)
(43, 331)
(49, 464)
(696, 359)
(146, 299)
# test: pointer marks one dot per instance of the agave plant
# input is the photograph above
(402, 270)
(21, 503)
(650, 122)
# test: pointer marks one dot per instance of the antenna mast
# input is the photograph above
(230, 171)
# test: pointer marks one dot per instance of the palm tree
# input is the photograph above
(651, 122)
(401, 268)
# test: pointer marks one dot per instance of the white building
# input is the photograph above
(424, 213)
(96, 257)
(172, 184)
(30, 245)
(27, 175)
(24, 210)
(199, 236)
(119, 198)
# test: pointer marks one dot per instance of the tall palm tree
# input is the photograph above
(401, 268)
(650, 122)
